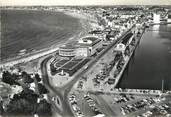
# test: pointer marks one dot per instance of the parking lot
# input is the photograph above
(139, 106)
(98, 74)
(84, 104)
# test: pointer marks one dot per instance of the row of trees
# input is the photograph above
(25, 103)
(11, 78)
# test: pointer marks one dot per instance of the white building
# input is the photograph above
(156, 18)
(87, 46)
(83, 48)
(120, 48)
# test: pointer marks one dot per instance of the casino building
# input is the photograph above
(67, 50)
(87, 46)
(84, 47)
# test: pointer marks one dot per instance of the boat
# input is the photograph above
(22, 52)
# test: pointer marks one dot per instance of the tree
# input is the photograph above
(1, 108)
(26, 77)
(29, 95)
(24, 74)
(37, 77)
(28, 80)
(23, 103)
(20, 106)
(16, 97)
(42, 89)
(7, 78)
(44, 109)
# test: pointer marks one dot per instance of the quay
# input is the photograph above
(161, 23)
(127, 60)
(140, 92)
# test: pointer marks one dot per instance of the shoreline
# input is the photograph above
(45, 51)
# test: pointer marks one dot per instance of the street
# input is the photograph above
(65, 111)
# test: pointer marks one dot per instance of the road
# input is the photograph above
(62, 93)
(106, 109)
(65, 111)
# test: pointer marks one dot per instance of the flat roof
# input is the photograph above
(93, 39)
(67, 46)
(73, 45)
(87, 44)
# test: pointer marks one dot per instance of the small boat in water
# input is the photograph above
(22, 52)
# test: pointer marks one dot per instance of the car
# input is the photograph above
(99, 115)
(89, 100)
(86, 67)
(74, 106)
(164, 112)
(92, 104)
(123, 112)
(71, 98)
(87, 95)
(166, 106)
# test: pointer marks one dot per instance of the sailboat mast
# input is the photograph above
(162, 85)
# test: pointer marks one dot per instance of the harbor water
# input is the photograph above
(151, 62)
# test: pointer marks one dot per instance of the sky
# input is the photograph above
(84, 2)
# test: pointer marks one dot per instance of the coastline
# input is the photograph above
(45, 51)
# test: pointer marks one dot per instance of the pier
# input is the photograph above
(160, 23)
(127, 61)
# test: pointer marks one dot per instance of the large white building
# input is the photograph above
(67, 50)
(85, 47)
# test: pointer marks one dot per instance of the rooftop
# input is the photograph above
(88, 41)
(68, 46)
(93, 39)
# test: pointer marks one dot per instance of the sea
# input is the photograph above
(24, 31)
